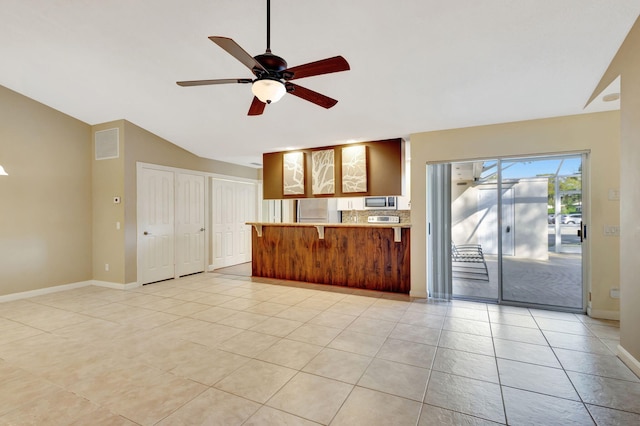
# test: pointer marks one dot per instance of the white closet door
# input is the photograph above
(156, 226)
(223, 223)
(234, 204)
(190, 223)
(245, 212)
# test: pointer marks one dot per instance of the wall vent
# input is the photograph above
(107, 144)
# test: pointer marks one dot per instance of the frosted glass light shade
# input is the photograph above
(268, 91)
(2, 172)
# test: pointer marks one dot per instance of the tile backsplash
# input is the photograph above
(361, 216)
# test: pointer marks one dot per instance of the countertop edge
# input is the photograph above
(335, 225)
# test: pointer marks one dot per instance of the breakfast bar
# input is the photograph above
(356, 255)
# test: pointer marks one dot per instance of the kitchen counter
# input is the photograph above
(361, 255)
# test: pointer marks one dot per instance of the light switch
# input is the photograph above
(614, 195)
(612, 230)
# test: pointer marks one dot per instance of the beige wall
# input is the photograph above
(599, 133)
(108, 182)
(630, 200)
(626, 65)
(57, 216)
(117, 177)
(45, 202)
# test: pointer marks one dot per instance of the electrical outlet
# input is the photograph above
(106, 267)
(614, 293)
(614, 195)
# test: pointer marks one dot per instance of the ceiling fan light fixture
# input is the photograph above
(268, 91)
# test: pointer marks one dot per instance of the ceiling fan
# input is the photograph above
(273, 78)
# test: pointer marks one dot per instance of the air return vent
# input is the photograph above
(107, 144)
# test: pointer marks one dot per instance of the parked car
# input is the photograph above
(574, 218)
(551, 218)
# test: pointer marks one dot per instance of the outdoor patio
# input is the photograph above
(555, 282)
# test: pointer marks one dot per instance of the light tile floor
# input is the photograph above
(230, 350)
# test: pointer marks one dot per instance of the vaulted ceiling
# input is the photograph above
(416, 65)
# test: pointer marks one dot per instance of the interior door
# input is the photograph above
(245, 212)
(190, 223)
(234, 204)
(222, 223)
(155, 226)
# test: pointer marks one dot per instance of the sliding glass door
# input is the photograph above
(545, 265)
(474, 230)
(516, 229)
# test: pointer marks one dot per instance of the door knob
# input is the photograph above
(201, 229)
(146, 233)
(508, 229)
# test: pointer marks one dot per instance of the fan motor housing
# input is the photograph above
(271, 62)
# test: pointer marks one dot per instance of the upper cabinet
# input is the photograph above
(404, 203)
(351, 203)
(355, 170)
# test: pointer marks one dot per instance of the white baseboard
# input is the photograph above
(116, 286)
(42, 291)
(64, 287)
(132, 285)
(629, 360)
(418, 294)
(600, 314)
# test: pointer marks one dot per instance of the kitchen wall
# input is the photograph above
(45, 202)
(598, 133)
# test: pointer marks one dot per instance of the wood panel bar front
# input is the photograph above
(355, 256)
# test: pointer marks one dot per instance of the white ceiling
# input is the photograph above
(416, 65)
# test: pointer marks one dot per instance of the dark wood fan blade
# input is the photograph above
(257, 107)
(323, 66)
(311, 96)
(217, 81)
(237, 52)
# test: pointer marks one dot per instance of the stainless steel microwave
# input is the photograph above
(381, 203)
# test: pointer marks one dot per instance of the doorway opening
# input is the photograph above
(516, 231)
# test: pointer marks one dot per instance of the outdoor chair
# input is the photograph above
(467, 262)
